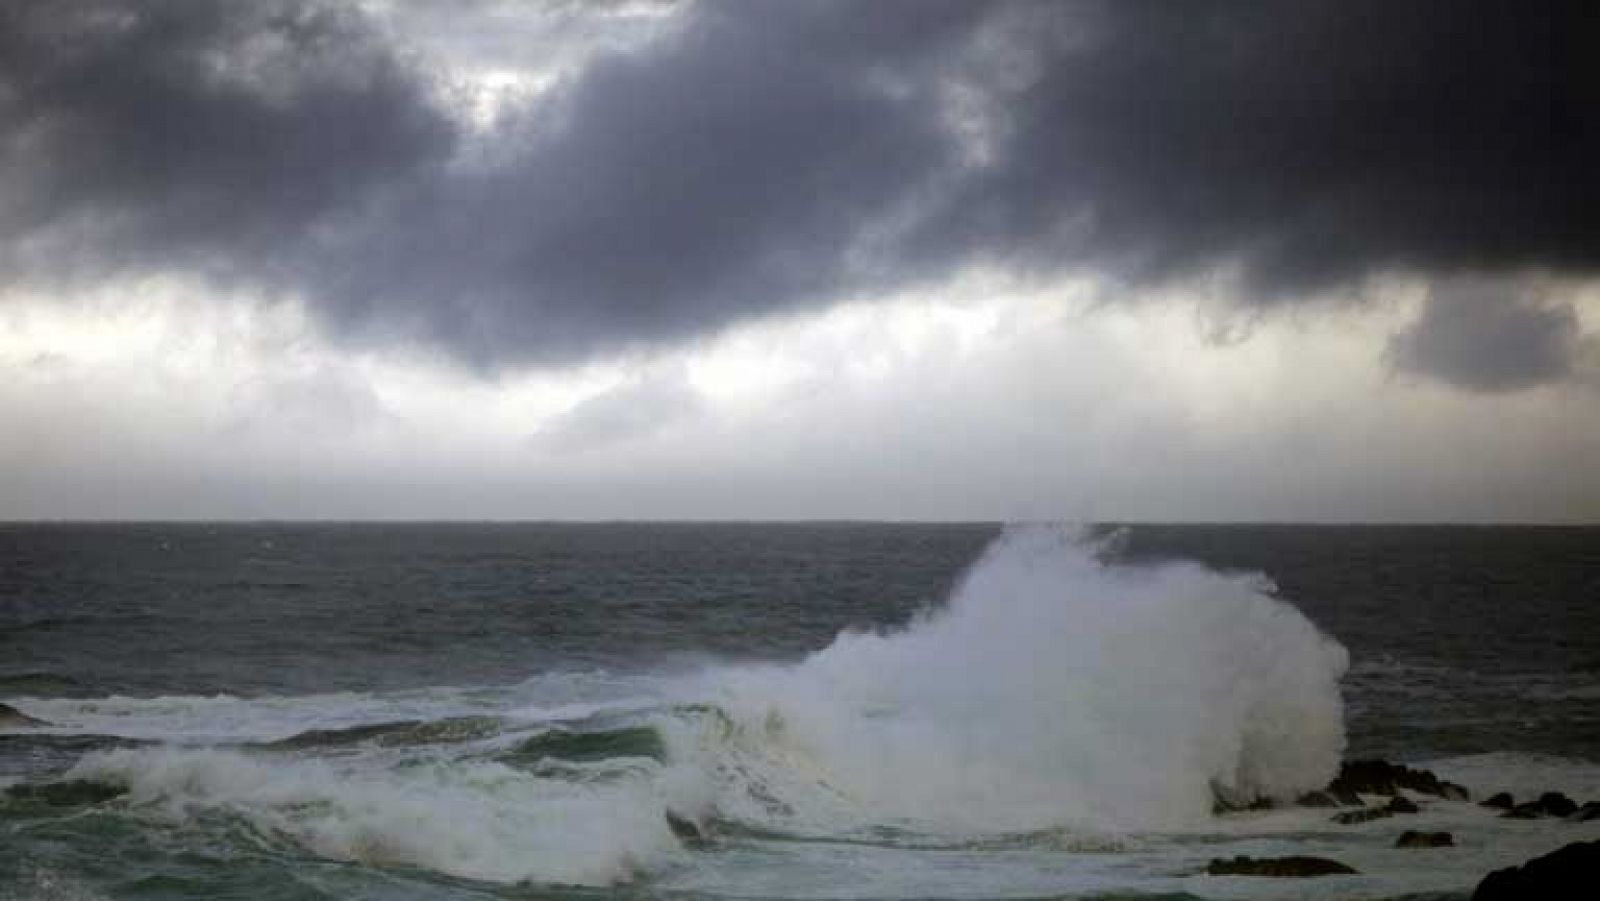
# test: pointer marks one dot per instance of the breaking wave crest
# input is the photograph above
(1052, 692)
(1055, 690)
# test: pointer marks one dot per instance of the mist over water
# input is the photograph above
(1034, 711)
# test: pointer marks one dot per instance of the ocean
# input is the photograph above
(765, 711)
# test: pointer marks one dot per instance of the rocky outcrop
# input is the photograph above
(1589, 811)
(1413, 839)
(1567, 873)
(1379, 777)
(1550, 804)
(1277, 867)
(12, 718)
(1356, 778)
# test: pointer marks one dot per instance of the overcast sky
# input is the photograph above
(1321, 261)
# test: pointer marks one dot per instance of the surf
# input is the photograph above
(1052, 693)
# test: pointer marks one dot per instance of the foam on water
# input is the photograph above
(472, 818)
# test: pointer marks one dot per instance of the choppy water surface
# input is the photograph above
(774, 711)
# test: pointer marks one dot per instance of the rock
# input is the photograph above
(1317, 799)
(1379, 777)
(1413, 839)
(1560, 874)
(1277, 867)
(12, 718)
(1401, 804)
(1550, 804)
(1368, 777)
(1557, 805)
(1501, 801)
(1589, 811)
(1453, 792)
(1365, 815)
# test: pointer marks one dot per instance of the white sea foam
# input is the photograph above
(1051, 690)
(471, 818)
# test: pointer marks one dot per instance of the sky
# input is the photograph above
(1323, 261)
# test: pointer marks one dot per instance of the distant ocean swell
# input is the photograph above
(1052, 695)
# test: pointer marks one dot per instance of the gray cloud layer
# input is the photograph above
(762, 156)
(1484, 335)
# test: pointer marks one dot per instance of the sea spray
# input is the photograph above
(1051, 690)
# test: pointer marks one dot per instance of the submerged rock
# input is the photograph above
(1501, 801)
(1365, 815)
(1567, 873)
(1413, 839)
(12, 718)
(1277, 867)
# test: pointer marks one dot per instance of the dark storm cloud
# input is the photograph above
(1485, 335)
(726, 170)
(1308, 143)
(761, 156)
(188, 134)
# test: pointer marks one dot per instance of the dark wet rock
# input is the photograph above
(1401, 804)
(1277, 867)
(1413, 839)
(1557, 805)
(12, 718)
(1586, 813)
(1365, 815)
(1567, 873)
(1550, 804)
(1501, 801)
(686, 829)
(67, 793)
(1379, 777)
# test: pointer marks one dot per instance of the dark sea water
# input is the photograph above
(834, 710)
